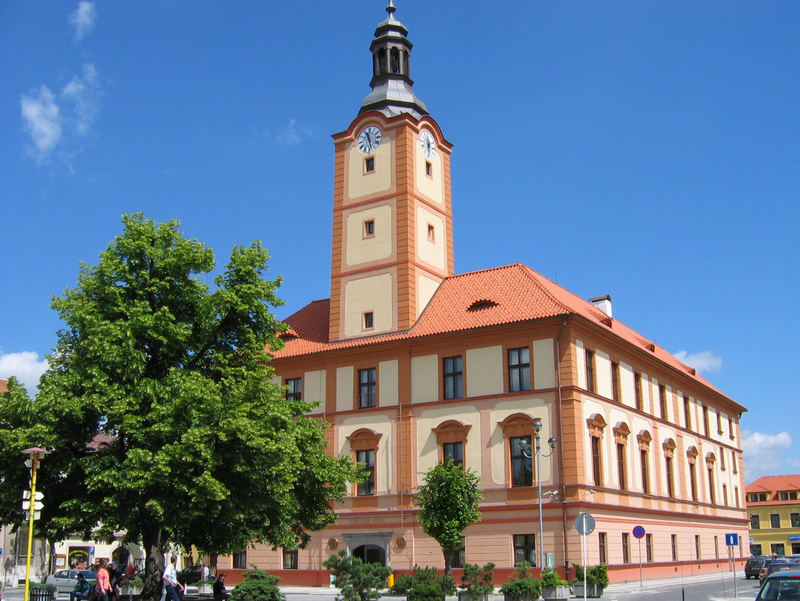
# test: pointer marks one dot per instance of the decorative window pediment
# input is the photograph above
(669, 447)
(363, 439)
(518, 424)
(644, 439)
(452, 430)
(596, 425)
(621, 433)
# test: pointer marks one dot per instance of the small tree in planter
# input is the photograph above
(476, 582)
(356, 580)
(522, 586)
(429, 585)
(595, 580)
(131, 586)
(257, 585)
(553, 588)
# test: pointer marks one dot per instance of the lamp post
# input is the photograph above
(537, 452)
(35, 453)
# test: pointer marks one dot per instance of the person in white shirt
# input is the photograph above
(170, 578)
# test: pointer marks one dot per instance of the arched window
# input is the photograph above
(596, 425)
(691, 456)
(382, 61)
(406, 66)
(394, 61)
(364, 446)
(712, 493)
(451, 437)
(621, 433)
(517, 429)
(669, 466)
(644, 440)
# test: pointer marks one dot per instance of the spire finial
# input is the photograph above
(390, 8)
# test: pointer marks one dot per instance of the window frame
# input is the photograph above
(293, 558)
(591, 383)
(453, 377)
(367, 388)
(524, 544)
(519, 366)
(367, 487)
(294, 389)
(239, 560)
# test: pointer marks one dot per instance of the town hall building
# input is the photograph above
(412, 363)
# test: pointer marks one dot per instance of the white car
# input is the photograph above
(65, 580)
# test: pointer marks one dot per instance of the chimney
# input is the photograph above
(603, 303)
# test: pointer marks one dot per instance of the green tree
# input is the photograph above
(357, 580)
(160, 413)
(449, 499)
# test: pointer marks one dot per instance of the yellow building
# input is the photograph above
(773, 505)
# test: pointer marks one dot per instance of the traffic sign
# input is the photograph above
(37, 496)
(584, 523)
(37, 505)
(638, 531)
(732, 539)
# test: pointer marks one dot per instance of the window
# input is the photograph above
(369, 228)
(290, 559)
(637, 391)
(366, 388)
(621, 466)
(794, 518)
(626, 548)
(602, 542)
(719, 422)
(693, 479)
(294, 389)
(774, 520)
(755, 549)
(454, 451)
(722, 458)
(736, 495)
(734, 467)
(711, 490)
(519, 369)
(453, 378)
(777, 549)
(674, 542)
(730, 428)
(783, 496)
(648, 543)
(697, 551)
(645, 472)
(525, 548)
(725, 495)
(431, 233)
(457, 557)
(596, 461)
(705, 421)
(795, 548)
(615, 392)
(716, 547)
(687, 413)
(662, 399)
(668, 473)
(755, 522)
(590, 383)
(428, 169)
(240, 560)
(521, 465)
(367, 458)
(369, 320)
(369, 165)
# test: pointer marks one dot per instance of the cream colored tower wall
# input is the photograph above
(372, 293)
(544, 375)
(363, 249)
(344, 388)
(531, 406)
(602, 373)
(360, 183)
(484, 371)
(427, 445)
(314, 386)
(627, 384)
(580, 363)
(426, 288)
(384, 465)
(432, 185)
(388, 389)
(425, 379)
(431, 250)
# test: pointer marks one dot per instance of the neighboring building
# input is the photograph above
(411, 364)
(773, 505)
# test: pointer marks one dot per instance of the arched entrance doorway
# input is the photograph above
(370, 554)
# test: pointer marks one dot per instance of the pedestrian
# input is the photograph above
(170, 578)
(103, 586)
(220, 594)
(82, 589)
(203, 571)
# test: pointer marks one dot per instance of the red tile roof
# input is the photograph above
(773, 484)
(501, 295)
(3, 385)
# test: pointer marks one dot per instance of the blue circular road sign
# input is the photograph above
(638, 531)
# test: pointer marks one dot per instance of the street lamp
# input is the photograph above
(525, 446)
(35, 453)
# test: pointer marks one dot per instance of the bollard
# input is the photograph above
(390, 580)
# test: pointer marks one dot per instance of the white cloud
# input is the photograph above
(292, 134)
(25, 366)
(82, 93)
(765, 454)
(704, 361)
(42, 120)
(83, 19)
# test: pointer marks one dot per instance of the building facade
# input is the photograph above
(773, 506)
(410, 363)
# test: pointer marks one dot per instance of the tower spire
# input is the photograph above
(391, 82)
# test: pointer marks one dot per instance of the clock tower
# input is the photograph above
(392, 218)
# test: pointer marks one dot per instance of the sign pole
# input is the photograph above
(583, 539)
(640, 563)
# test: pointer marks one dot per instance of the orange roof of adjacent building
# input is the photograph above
(479, 299)
(774, 484)
(3, 385)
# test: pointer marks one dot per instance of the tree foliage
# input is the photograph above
(449, 499)
(357, 580)
(258, 585)
(197, 446)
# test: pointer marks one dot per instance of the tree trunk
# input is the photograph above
(446, 562)
(212, 560)
(153, 565)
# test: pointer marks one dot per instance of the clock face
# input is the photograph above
(427, 144)
(369, 139)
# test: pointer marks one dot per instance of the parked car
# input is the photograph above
(190, 575)
(781, 585)
(753, 566)
(64, 580)
(778, 565)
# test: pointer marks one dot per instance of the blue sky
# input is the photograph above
(645, 150)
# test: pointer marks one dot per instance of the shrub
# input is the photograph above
(597, 575)
(257, 585)
(478, 580)
(402, 584)
(429, 585)
(356, 580)
(551, 578)
(522, 584)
